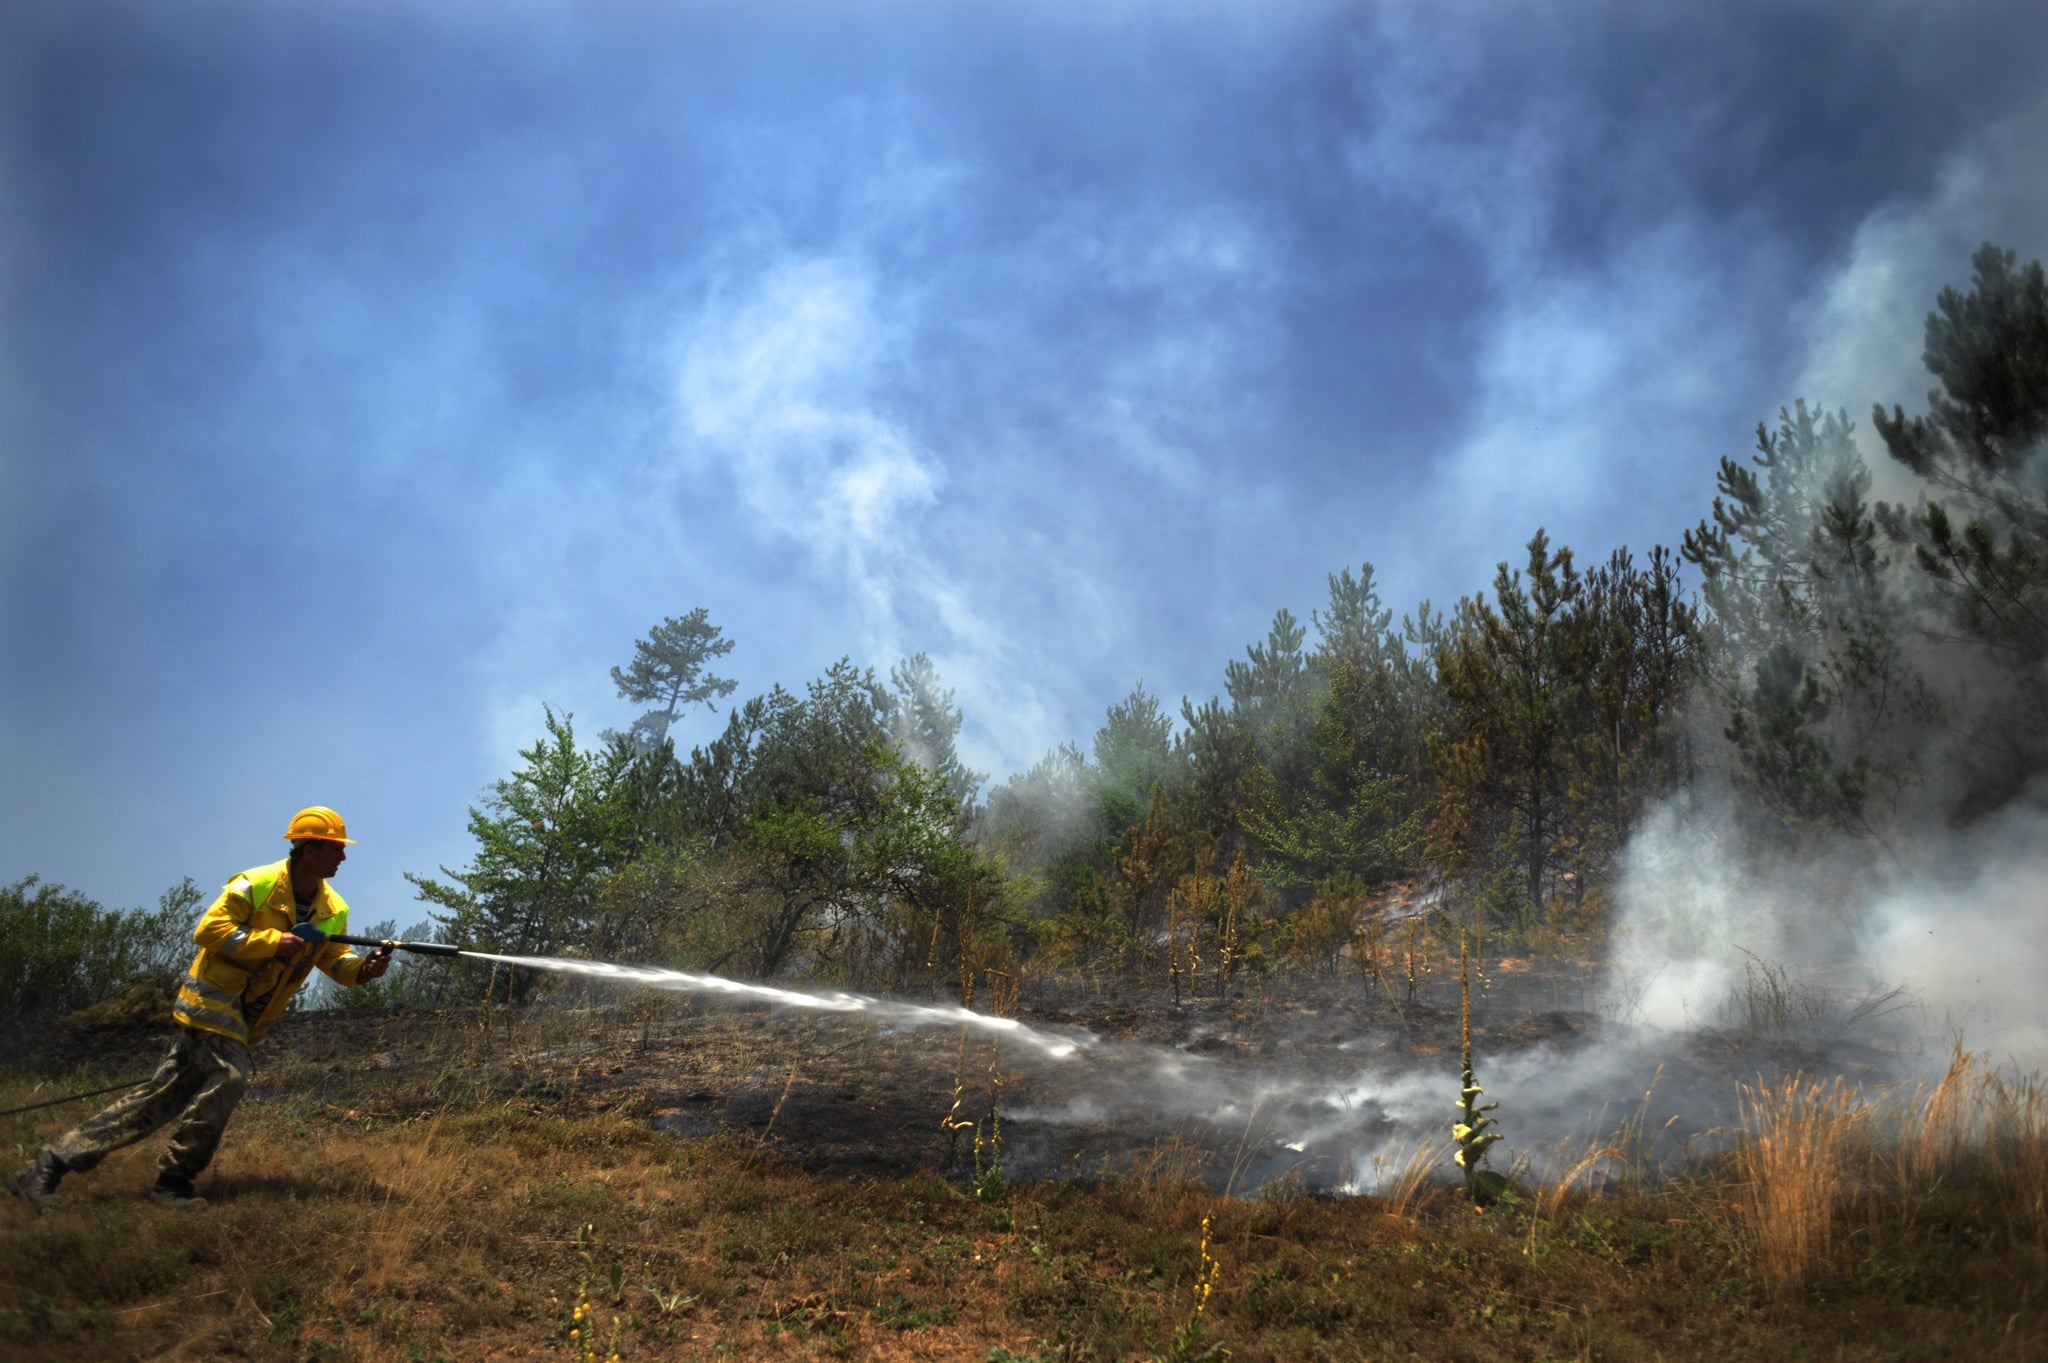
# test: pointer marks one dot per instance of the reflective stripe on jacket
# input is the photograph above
(237, 986)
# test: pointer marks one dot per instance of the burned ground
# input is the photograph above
(1317, 1081)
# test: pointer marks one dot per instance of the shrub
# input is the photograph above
(60, 950)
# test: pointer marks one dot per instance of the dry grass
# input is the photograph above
(1548, 1195)
(1168, 1160)
(417, 1186)
(1981, 1132)
(1797, 1134)
(2018, 1147)
(1775, 1001)
(1933, 1125)
(473, 1234)
(1401, 1174)
(1818, 1159)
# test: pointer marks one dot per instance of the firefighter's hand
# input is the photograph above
(298, 941)
(374, 965)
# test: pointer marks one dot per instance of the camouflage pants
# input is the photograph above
(201, 1079)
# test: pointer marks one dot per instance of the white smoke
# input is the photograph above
(1967, 933)
(1910, 949)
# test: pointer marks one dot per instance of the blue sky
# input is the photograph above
(372, 374)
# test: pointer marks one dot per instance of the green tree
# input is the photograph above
(1793, 572)
(1792, 769)
(668, 668)
(1634, 637)
(547, 837)
(811, 843)
(1215, 776)
(1040, 810)
(1149, 863)
(924, 725)
(1355, 821)
(1271, 674)
(1756, 552)
(1272, 695)
(61, 950)
(1981, 541)
(1045, 829)
(1133, 752)
(773, 803)
(1385, 687)
(1514, 687)
(938, 903)
(1353, 816)
(1058, 827)
(1979, 441)
(1354, 626)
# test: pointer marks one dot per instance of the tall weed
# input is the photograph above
(1776, 1002)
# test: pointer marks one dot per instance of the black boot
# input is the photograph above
(172, 1191)
(36, 1182)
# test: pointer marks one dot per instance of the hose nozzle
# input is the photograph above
(422, 948)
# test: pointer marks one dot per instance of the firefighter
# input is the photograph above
(257, 943)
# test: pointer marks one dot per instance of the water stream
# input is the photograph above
(1057, 1046)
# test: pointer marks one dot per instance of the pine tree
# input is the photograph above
(1045, 827)
(1756, 554)
(1803, 600)
(816, 844)
(1269, 694)
(1784, 759)
(668, 669)
(1981, 541)
(1982, 445)
(1503, 761)
(1150, 861)
(1634, 642)
(1216, 769)
(1354, 821)
(924, 724)
(1133, 751)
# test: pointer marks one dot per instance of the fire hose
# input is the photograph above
(72, 1098)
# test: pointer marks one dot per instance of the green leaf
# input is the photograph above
(1492, 1187)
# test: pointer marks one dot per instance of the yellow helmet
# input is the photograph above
(318, 821)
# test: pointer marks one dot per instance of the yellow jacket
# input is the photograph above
(237, 986)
